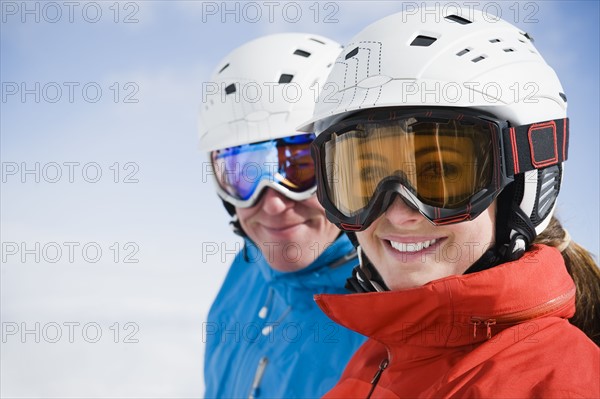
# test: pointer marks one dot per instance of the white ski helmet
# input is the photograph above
(261, 91)
(264, 89)
(454, 58)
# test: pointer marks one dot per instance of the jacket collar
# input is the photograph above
(460, 310)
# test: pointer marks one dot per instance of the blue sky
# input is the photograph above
(167, 209)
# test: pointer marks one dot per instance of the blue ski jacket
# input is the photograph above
(266, 337)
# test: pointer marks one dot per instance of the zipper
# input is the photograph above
(382, 366)
(263, 312)
(344, 259)
(268, 329)
(260, 371)
(551, 306)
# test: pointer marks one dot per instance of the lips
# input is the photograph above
(412, 246)
(281, 228)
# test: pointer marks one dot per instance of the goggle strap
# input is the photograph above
(535, 146)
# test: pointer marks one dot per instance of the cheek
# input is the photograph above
(311, 208)
(488, 225)
(313, 204)
(360, 237)
(479, 234)
(245, 214)
(364, 237)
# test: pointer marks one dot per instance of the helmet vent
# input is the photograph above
(352, 53)
(508, 50)
(224, 68)
(302, 53)
(285, 78)
(463, 52)
(456, 18)
(423, 41)
(563, 96)
(477, 59)
(495, 40)
(527, 36)
(230, 89)
(316, 40)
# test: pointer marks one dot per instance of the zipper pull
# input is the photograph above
(489, 323)
(476, 323)
(260, 371)
(382, 366)
(262, 313)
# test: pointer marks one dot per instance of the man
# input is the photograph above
(265, 335)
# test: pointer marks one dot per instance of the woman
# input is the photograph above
(450, 187)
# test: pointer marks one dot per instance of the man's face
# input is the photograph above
(291, 234)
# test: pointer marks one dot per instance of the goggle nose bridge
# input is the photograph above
(392, 188)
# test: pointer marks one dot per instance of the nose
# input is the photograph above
(274, 203)
(401, 214)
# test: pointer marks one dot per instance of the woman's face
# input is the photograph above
(409, 251)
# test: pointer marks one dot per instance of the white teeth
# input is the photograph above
(411, 246)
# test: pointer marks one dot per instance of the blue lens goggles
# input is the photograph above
(284, 164)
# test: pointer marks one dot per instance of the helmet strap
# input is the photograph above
(489, 259)
(522, 235)
(514, 229)
(234, 223)
(353, 239)
(230, 208)
(365, 278)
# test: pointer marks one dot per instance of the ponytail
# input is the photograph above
(585, 273)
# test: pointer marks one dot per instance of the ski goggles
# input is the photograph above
(449, 164)
(284, 164)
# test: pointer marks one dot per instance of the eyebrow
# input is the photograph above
(423, 151)
(435, 149)
(372, 156)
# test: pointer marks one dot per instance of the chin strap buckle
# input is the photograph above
(522, 234)
(515, 248)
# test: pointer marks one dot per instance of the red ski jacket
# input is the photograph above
(499, 333)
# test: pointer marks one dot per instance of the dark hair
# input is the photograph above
(585, 273)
